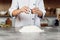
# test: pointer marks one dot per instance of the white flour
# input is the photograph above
(30, 29)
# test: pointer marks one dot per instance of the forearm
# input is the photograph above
(16, 12)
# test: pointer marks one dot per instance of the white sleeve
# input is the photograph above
(13, 7)
(41, 7)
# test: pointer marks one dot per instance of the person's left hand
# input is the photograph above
(36, 11)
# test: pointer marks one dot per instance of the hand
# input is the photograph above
(18, 11)
(35, 10)
(25, 9)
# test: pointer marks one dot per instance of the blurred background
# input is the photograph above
(51, 18)
(50, 23)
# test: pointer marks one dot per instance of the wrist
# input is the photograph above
(40, 15)
(19, 10)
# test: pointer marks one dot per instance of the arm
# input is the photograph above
(23, 9)
(40, 10)
(37, 11)
(13, 8)
(16, 12)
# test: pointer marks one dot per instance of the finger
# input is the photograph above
(26, 11)
(27, 8)
(33, 11)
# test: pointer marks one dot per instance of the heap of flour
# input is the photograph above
(30, 29)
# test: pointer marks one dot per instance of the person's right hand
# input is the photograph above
(25, 9)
